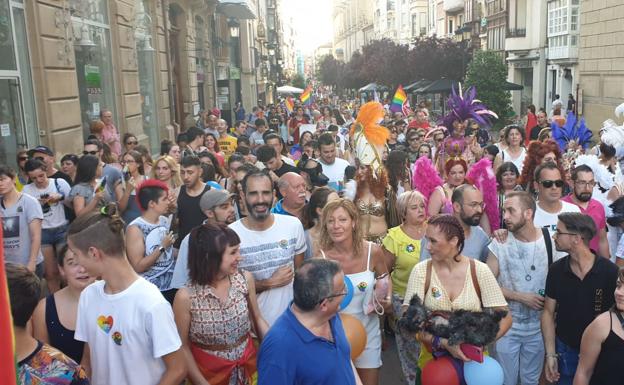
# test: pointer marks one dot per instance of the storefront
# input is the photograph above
(18, 118)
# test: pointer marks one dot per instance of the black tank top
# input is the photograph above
(60, 337)
(608, 370)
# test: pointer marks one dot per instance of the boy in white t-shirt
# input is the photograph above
(127, 325)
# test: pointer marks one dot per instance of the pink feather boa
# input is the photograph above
(482, 176)
(426, 178)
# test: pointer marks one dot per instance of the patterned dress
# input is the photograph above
(214, 322)
(48, 366)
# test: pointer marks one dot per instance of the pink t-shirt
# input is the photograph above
(595, 210)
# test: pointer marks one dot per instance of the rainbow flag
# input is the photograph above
(8, 368)
(289, 103)
(400, 97)
(306, 96)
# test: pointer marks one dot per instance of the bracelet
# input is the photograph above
(553, 355)
(436, 343)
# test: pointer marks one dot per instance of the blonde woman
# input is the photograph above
(341, 240)
(402, 246)
(167, 170)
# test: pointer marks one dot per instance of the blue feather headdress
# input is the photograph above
(464, 106)
(571, 132)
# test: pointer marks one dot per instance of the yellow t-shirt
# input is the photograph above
(407, 253)
(227, 145)
(437, 299)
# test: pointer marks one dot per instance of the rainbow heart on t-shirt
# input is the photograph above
(105, 323)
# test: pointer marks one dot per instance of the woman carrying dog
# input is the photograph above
(451, 281)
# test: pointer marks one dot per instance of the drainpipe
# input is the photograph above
(165, 15)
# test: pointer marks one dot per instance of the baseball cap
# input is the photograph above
(42, 150)
(213, 198)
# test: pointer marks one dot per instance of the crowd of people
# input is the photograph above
(245, 253)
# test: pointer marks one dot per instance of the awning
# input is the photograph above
(509, 86)
(289, 90)
(373, 87)
(237, 9)
(417, 84)
(439, 86)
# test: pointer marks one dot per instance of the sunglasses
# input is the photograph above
(549, 183)
(132, 142)
(89, 153)
(23, 158)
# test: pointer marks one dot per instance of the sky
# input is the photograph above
(312, 21)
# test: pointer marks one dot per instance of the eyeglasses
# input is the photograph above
(128, 161)
(23, 158)
(333, 296)
(89, 153)
(132, 142)
(557, 232)
(474, 205)
(38, 158)
(549, 183)
(582, 183)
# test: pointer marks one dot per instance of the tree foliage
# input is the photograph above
(298, 81)
(488, 73)
(388, 63)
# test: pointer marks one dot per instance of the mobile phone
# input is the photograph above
(473, 352)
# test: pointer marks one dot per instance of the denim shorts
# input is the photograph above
(568, 361)
(55, 236)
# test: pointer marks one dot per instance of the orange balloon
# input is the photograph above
(355, 332)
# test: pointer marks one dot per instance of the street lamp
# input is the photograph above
(234, 28)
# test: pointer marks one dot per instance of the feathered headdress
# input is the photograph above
(613, 135)
(426, 179)
(482, 176)
(571, 132)
(465, 106)
(369, 137)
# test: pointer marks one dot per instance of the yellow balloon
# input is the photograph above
(355, 332)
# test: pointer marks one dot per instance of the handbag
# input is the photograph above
(381, 290)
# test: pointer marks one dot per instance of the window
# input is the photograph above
(146, 60)
(415, 31)
(94, 67)
(558, 17)
(450, 27)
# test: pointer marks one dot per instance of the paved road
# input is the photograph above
(391, 373)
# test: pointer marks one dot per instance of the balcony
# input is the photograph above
(453, 5)
(563, 52)
(516, 32)
(237, 9)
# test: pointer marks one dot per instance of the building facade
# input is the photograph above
(353, 26)
(154, 64)
(562, 53)
(601, 60)
(525, 46)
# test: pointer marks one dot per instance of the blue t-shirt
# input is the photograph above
(291, 354)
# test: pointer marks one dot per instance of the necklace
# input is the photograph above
(528, 277)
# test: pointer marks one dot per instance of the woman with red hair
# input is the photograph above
(538, 153)
(455, 170)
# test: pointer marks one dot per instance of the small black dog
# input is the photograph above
(460, 326)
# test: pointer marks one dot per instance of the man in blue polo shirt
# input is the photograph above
(307, 344)
(292, 188)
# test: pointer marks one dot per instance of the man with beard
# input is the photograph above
(548, 184)
(579, 287)
(521, 265)
(189, 197)
(468, 208)
(272, 246)
(581, 196)
(218, 207)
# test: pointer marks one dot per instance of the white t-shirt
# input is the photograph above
(515, 262)
(55, 216)
(335, 172)
(266, 251)
(127, 333)
(548, 220)
(180, 271)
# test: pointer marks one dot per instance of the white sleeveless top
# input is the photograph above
(518, 162)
